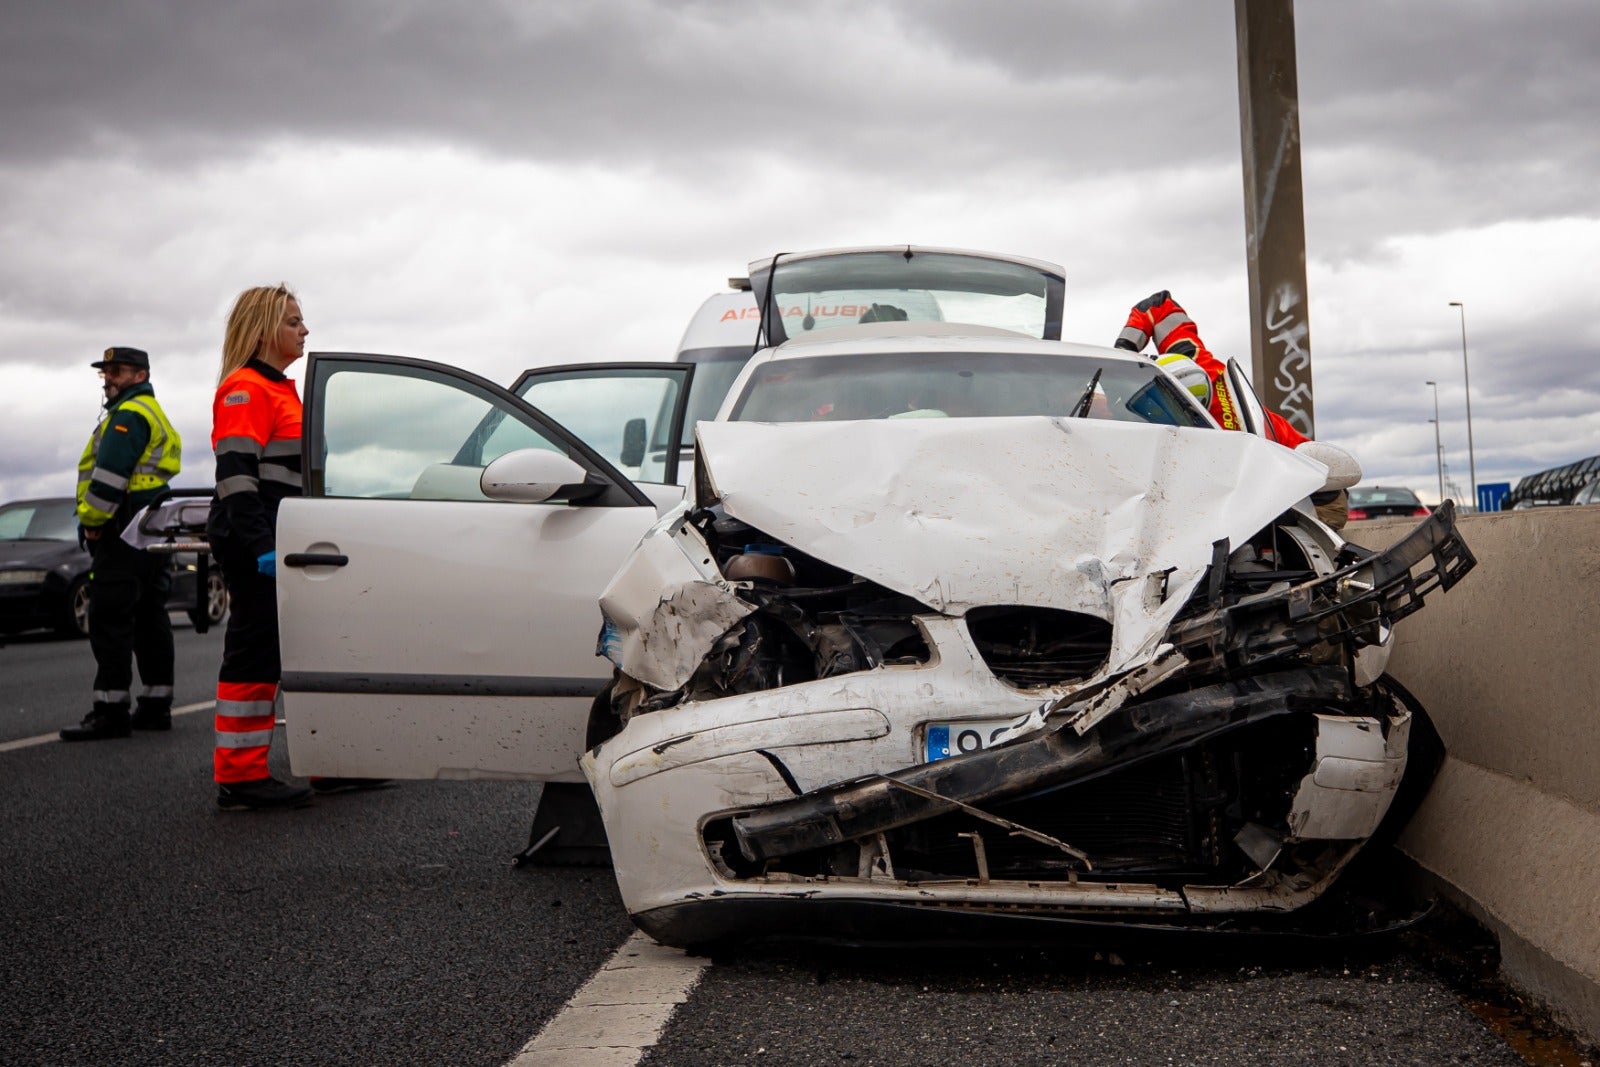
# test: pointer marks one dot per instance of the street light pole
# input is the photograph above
(1438, 449)
(1472, 465)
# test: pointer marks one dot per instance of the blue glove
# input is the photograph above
(267, 563)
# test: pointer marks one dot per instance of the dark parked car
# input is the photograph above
(44, 575)
(1382, 501)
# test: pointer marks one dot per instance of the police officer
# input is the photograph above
(131, 456)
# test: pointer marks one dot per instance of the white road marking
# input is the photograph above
(619, 1013)
(29, 742)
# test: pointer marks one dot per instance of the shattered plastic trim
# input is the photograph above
(668, 604)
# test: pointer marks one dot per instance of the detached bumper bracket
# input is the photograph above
(1343, 606)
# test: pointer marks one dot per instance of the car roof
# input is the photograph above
(1042, 266)
(889, 337)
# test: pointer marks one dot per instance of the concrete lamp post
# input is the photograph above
(1466, 373)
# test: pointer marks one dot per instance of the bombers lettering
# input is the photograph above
(1224, 407)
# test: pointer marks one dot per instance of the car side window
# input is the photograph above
(401, 432)
(624, 412)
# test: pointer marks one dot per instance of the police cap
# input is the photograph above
(128, 357)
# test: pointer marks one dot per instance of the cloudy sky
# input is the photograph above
(501, 185)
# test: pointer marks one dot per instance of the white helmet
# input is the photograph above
(1188, 374)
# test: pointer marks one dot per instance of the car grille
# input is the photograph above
(1028, 647)
(1148, 819)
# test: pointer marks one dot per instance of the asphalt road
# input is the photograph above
(141, 926)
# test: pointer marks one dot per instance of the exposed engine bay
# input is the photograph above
(855, 742)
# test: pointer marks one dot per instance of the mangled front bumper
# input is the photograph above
(1237, 770)
(1052, 759)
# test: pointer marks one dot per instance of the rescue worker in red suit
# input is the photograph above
(255, 433)
(1159, 317)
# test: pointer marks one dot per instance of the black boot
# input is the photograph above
(260, 795)
(152, 713)
(105, 721)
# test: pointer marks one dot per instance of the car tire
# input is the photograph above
(216, 601)
(604, 723)
(74, 621)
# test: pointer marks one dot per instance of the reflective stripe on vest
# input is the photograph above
(163, 455)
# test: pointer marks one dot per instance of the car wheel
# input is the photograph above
(216, 601)
(75, 615)
(604, 723)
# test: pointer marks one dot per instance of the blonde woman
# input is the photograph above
(255, 432)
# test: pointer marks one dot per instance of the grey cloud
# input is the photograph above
(602, 81)
(1417, 118)
(1458, 101)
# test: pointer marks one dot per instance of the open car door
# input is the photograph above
(438, 620)
(1252, 413)
(630, 413)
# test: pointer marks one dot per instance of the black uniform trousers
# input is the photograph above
(128, 618)
(250, 643)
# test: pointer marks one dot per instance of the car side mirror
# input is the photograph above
(1344, 470)
(632, 443)
(534, 475)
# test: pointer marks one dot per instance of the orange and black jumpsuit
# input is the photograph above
(1160, 317)
(255, 432)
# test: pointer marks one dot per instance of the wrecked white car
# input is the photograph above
(961, 627)
(958, 623)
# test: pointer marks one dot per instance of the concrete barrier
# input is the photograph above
(1508, 666)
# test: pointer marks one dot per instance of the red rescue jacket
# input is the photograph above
(255, 432)
(1160, 317)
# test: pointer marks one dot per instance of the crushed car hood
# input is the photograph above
(1114, 520)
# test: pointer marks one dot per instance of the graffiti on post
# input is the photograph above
(1288, 353)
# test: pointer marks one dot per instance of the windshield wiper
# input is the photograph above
(1080, 410)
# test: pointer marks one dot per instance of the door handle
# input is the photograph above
(315, 559)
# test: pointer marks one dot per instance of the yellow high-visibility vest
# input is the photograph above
(160, 461)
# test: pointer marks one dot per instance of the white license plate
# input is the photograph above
(943, 739)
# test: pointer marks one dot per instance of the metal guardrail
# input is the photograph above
(1557, 485)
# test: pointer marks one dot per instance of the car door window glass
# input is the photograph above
(1251, 411)
(406, 433)
(600, 409)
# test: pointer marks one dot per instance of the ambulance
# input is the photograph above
(719, 341)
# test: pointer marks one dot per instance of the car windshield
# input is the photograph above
(811, 294)
(39, 520)
(1373, 497)
(961, 384)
